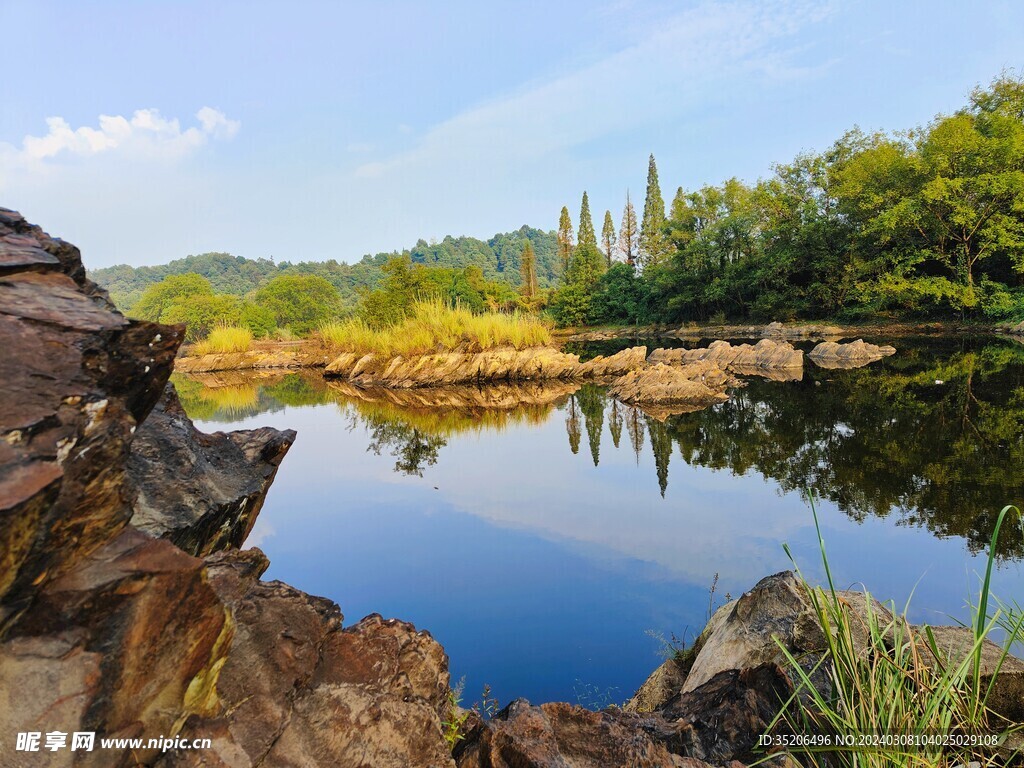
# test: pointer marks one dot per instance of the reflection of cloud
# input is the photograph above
(145, 132)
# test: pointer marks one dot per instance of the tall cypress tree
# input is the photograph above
(566, 241)
(652, 239)
(528, 270)
(587, 264)
(628, 242)
(608, 237)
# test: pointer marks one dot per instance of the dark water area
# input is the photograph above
(548, 545)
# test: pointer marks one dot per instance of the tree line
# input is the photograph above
(922, 223)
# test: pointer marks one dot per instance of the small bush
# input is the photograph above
(225, 339)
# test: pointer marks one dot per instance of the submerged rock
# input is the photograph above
(765, 355)
(830, 354)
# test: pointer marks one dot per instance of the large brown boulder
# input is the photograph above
(679, 389)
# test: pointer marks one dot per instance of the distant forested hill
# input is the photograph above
(498, 258)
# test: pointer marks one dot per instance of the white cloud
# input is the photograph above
(145, 133)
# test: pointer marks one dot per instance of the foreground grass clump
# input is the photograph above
(434, 326)
(224, 339)
(885, 677)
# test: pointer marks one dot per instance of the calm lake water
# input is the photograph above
(547, 545)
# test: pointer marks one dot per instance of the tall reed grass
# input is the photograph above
(434, 326)
(224, 339)
(882, 676)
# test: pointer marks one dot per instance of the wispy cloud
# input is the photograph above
(678, 60)
(145, 133)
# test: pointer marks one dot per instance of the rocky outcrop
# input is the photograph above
(779, 330)
(830, 354)
(495, 397)
(105, 624)
(266, 356)
(212, 503)
(766, 355)
(677, 388)
(298, 689)
(502, 365)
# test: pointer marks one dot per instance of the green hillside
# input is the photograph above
(498, 258)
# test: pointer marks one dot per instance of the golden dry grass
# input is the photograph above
(225, 339)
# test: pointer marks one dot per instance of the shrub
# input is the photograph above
(225, 339)
(434, 326)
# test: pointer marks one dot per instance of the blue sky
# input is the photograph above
(315, 130)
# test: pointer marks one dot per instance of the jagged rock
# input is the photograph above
(75, 379)
(764, 355)
(685, 387)
(777, 330)
(723, 718)
(212, 502)
(830, 354)
(616, 365)
(297, 689)
(562, 735)
(127, 643)
(662, 684)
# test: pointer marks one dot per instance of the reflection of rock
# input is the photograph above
(491, 397)
(667, 387)
(830, 354)
(213, 501)
(765, 355)
(297, 689)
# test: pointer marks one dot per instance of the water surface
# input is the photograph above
(546, 546)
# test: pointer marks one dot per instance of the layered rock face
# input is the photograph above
(693, 386)
(831, 354)
(107, 625)
(299, 354)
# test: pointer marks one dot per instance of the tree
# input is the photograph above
(629, 237)
(608, 237)
(173, 289)
(652, 238)
(566, 240)
(586, 264)
(528, 269)
(300, 302)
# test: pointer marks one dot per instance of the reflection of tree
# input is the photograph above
(947, 456)
(635, 428)
(661, 446)
(615, 423)
(572, 424)
(592, 401)
(413, 448)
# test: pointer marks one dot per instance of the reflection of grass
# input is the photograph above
(884, 677)
(435, 326)
(225, 339)
(447, 421)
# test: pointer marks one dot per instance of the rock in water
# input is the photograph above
(213, 503)
(766, 355)
(831, 354)
(683, 389)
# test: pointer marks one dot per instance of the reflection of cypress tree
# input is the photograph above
(412, 448)
(592, 402)
(635, 427)
(615, 423)
(661, 446)
(572, 425)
